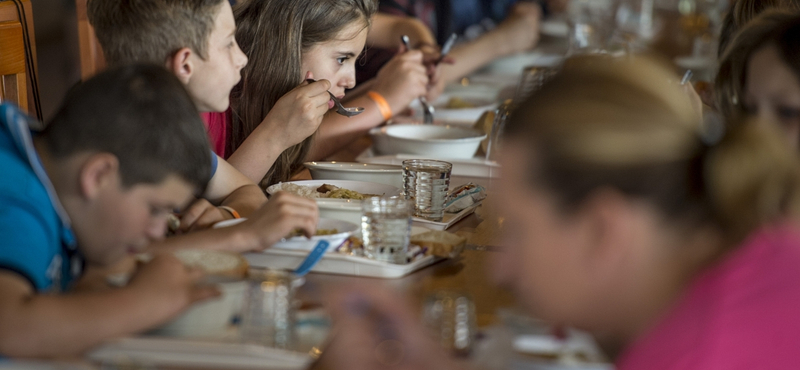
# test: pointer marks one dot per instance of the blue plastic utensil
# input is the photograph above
(312, 258)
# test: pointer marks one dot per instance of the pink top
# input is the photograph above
(217, 127)
(741, 313)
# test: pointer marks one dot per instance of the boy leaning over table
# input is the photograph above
(126, 148)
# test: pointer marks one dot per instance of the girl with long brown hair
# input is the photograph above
(288, 42)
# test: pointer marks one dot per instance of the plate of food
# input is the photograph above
(335, 232)
(337, 199)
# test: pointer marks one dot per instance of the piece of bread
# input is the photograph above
(440, 243)
(214, 263)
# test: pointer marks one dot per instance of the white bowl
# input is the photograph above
(345, 230)
(427, 141)
(343, 209)
(377, 173)
(481, 101)
(210, 318)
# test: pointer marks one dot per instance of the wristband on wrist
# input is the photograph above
(231, 211)
(383, 105)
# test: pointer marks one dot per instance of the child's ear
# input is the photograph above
(99, 171)
(181, 65)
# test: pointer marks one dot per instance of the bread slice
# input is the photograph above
(214, 263)
(440, 243)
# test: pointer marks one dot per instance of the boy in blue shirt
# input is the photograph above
(126, 148)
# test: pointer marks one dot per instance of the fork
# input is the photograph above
(341, 109)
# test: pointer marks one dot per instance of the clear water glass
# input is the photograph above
(451, 320)
(425, 183)
(386, 228)
(591, 25)
(268, 312)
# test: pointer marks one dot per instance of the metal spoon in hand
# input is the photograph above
(341, 109)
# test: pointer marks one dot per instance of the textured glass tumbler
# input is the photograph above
(425, 183)
(450, 318)
(268, 313)
(386, 228)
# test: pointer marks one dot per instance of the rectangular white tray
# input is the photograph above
(195, 354)
(449, 219)
(337, 263)
(473, 167)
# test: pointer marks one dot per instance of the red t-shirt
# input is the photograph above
(217, 127)
(741, 313)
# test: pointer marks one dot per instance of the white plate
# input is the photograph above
(554, 27)
(481, 101)
(377, 173)
(430, 141)
(346, 229)
(344, 209)
(472, 167)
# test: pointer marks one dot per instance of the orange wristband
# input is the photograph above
(383, 106)
(231, 210)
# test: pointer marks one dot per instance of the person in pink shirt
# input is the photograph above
(625, 217)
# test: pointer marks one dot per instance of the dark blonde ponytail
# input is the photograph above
(753, 177)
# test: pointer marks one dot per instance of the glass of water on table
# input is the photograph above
(386, 228)
(425, 184)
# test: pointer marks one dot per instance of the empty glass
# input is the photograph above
(386, 228)
(425, 183)
(591, 25)
(268, 312)
(450, 317)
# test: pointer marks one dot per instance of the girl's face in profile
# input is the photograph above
(772, 91)
(335, 60)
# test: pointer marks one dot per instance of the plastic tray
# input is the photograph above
(337, 263)
(195, 354)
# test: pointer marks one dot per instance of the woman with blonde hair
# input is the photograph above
(623, 218)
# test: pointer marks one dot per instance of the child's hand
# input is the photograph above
(403, 79)
(202, 215)
(170, 285)
(282, 214)
(298, 114)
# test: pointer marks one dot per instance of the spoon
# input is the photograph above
(427, 109)
(687, 77)
(347, 112)
(313, 257)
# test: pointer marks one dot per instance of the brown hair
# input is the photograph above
(742, 12)
(152, 31)
(621, 124)
(774, 26)
(274, 34)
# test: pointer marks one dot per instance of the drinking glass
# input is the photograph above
(450, 317)
(425, 183)
(268, 312)
(386, 228)
(591, 25)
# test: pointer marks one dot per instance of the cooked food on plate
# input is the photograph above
(320, 232)
(324, 191)
(459, 103)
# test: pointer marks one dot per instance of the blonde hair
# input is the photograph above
(623, 124)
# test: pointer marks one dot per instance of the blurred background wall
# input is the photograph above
(58, 52)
